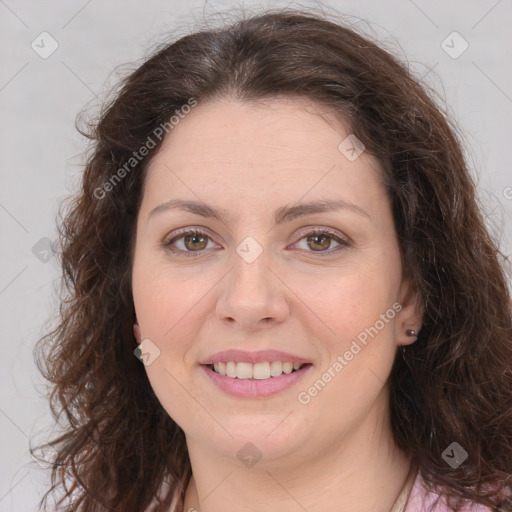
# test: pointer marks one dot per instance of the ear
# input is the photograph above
(136, 332)
(410, 317)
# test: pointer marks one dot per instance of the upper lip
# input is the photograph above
(261, 356)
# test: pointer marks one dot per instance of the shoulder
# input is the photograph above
(421, 500)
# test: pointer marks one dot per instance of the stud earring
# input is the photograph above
(411, 332)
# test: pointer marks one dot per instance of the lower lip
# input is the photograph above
(255, 388)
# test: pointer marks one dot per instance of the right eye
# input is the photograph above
(191, 241)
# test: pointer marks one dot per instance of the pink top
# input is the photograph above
(420, 500)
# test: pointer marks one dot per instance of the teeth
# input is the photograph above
(276, 368)
(230, 369)
(259, 371)
(287, 367)
(244, 370)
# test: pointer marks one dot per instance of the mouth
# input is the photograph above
(263, 379)
(255, 371)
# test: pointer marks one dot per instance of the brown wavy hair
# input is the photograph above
(120, 449)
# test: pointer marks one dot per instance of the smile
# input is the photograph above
(258, 380)
(258, 371)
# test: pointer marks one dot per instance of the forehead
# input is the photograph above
(283, 128)
(278, 149)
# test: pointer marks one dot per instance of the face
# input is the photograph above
(271, 318)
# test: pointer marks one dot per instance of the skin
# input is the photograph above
(336, 452)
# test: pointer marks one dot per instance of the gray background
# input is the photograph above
(40, 160)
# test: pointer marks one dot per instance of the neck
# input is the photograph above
(364, 471)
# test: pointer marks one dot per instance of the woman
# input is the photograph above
(284, 220)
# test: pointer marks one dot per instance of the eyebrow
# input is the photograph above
(283, 214)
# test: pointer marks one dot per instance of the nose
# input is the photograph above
(252, 297)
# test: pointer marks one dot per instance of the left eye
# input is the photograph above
(320, 241)
(196, 242)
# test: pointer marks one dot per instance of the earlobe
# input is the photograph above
(407, 333)
(411, 335)
(410, 319)
(136, 333)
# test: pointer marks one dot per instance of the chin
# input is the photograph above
(265, 437)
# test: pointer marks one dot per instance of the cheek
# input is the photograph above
(357, 341)
(350, 299)
(167, 310)
(165, 298)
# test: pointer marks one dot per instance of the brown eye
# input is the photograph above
(322, 242)
(188, 243)
(195, 242)
(319, 242)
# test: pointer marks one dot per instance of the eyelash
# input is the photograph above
(194, 232)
